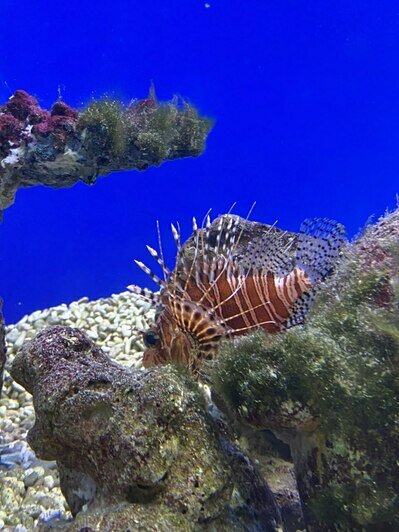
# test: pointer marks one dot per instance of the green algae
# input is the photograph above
(106, 118)
(333, 384)
(158, 131)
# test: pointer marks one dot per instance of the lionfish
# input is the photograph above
(216, 295)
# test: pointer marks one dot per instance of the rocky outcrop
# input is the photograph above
(329, 388)
(59, 147)
(135, 449)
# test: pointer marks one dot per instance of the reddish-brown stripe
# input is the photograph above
(296, 283)
(260, 314)
(242, 320)
(273, 315)
(263, 313)
(230, 307)
(285, 290)
(281, 310)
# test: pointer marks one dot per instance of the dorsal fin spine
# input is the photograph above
(159, 261)
(144, 293)
(152, 275)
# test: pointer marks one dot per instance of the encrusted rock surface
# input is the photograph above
(59, 147)
(330, 388)
(113, 324)
(128, 440)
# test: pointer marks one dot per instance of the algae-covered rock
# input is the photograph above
(61, 146)
(150, 517)
(330, 388)
(274, 461)
(138, 448)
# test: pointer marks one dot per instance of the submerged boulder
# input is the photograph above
(330, 388)
(135, 449)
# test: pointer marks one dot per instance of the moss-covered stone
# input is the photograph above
(136, 445)
(150, 130)
(331, 388)
(133, 517)
(57, 148)
(104, 126)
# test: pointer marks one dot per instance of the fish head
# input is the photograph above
(166, 342)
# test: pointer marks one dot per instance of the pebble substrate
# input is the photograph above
(29, 488)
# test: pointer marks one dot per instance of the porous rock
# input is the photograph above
(59, 147)
(135, 447)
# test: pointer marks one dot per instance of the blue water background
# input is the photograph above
(305, 100)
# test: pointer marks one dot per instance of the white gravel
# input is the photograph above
(29, 488)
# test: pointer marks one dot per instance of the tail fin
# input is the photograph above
(319, 246)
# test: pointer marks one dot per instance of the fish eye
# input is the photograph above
(151, 339)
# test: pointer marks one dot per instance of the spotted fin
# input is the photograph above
(319, 247)
(300, 310)
(270, 252)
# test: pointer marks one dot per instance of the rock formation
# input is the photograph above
(330, 388)
(57, 148)
(135, 448)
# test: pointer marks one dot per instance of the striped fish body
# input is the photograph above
(189, 333)
(255, 299)
(215, 296)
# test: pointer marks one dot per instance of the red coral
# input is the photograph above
(23, 110)
(62, 109)
(22, 104)
(59, 123)
(146, 103)
(10, 132)
(385, 295)
(60, 126)
(38, 115)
